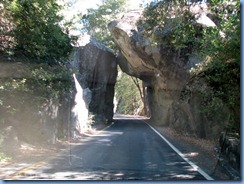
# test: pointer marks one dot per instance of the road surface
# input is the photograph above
(128, 150)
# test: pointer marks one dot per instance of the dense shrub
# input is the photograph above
(171, 24)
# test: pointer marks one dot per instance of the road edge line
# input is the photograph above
(37, 164)
(203, 173)
(33, 166)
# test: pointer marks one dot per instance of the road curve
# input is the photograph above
(128, 150)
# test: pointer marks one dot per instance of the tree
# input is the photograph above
(6, 27)
(142, 92)
(37, 31)
(95, 23)
(128, 95)
(219, 46)
(36, 39)
(171, 24)
(96, 20)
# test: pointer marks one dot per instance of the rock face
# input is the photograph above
(10, 142)
(59, 117)
(186, 114)
(97, 71)
(165, 73)
(162, 71)
(38, 124)
(80, 110)
(34, 120)
(230, 149)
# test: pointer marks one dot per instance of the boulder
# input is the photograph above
(35, 121)
(96, 72)
(42, 122)
(187, 116)
(162, 70)
(229, 147)
(166, 74)
(9, 143)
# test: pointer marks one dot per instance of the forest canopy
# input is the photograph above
(172, 24)
(31, 28)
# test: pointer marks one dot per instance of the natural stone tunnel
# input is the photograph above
(162, 71)
(173, 97)
(97, 70)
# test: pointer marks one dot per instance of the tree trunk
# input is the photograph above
(142, 92)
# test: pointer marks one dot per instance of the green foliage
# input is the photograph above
(4, 157)
(7, 42)
(96, 20)
(36, 30)
(224, 79)
(223, 42)
(41, 84)
(222, 45)
(170, 24)
(30, 30)
(95, 24)
(9, 88)
(50, 81)
(127, 95)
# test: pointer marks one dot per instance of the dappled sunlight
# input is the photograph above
(129, 117)
(175, 163)
(79, 111)
(191, 154)
(151, 165)
(190, 168)
(115, 174)
(85, 159)
(183, 176)
(86, 175)
(107, 133)
(11, 169)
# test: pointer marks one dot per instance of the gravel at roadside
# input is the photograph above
(199, 151)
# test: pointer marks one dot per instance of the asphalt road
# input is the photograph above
(127, 150)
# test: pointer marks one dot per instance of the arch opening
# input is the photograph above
(130, 96)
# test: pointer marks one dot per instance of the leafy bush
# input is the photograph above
(36, 30)
(35, 37)
(96, 20)
(170, 23)
(127, 95)
(222, 45)
(7, 42)
(41, 83)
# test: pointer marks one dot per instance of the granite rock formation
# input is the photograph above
(162, 71)
(97, 71)
(35, 123)
(165, 73)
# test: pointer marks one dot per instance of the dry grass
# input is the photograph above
(199, 151)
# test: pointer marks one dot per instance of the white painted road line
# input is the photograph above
(204, 174)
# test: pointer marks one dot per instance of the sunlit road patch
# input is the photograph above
(127, 150)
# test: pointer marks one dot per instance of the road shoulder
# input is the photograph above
(199, 151)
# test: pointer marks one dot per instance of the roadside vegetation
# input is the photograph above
(218, 46)
(30, 34)
(129, 91)
(4, 157)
